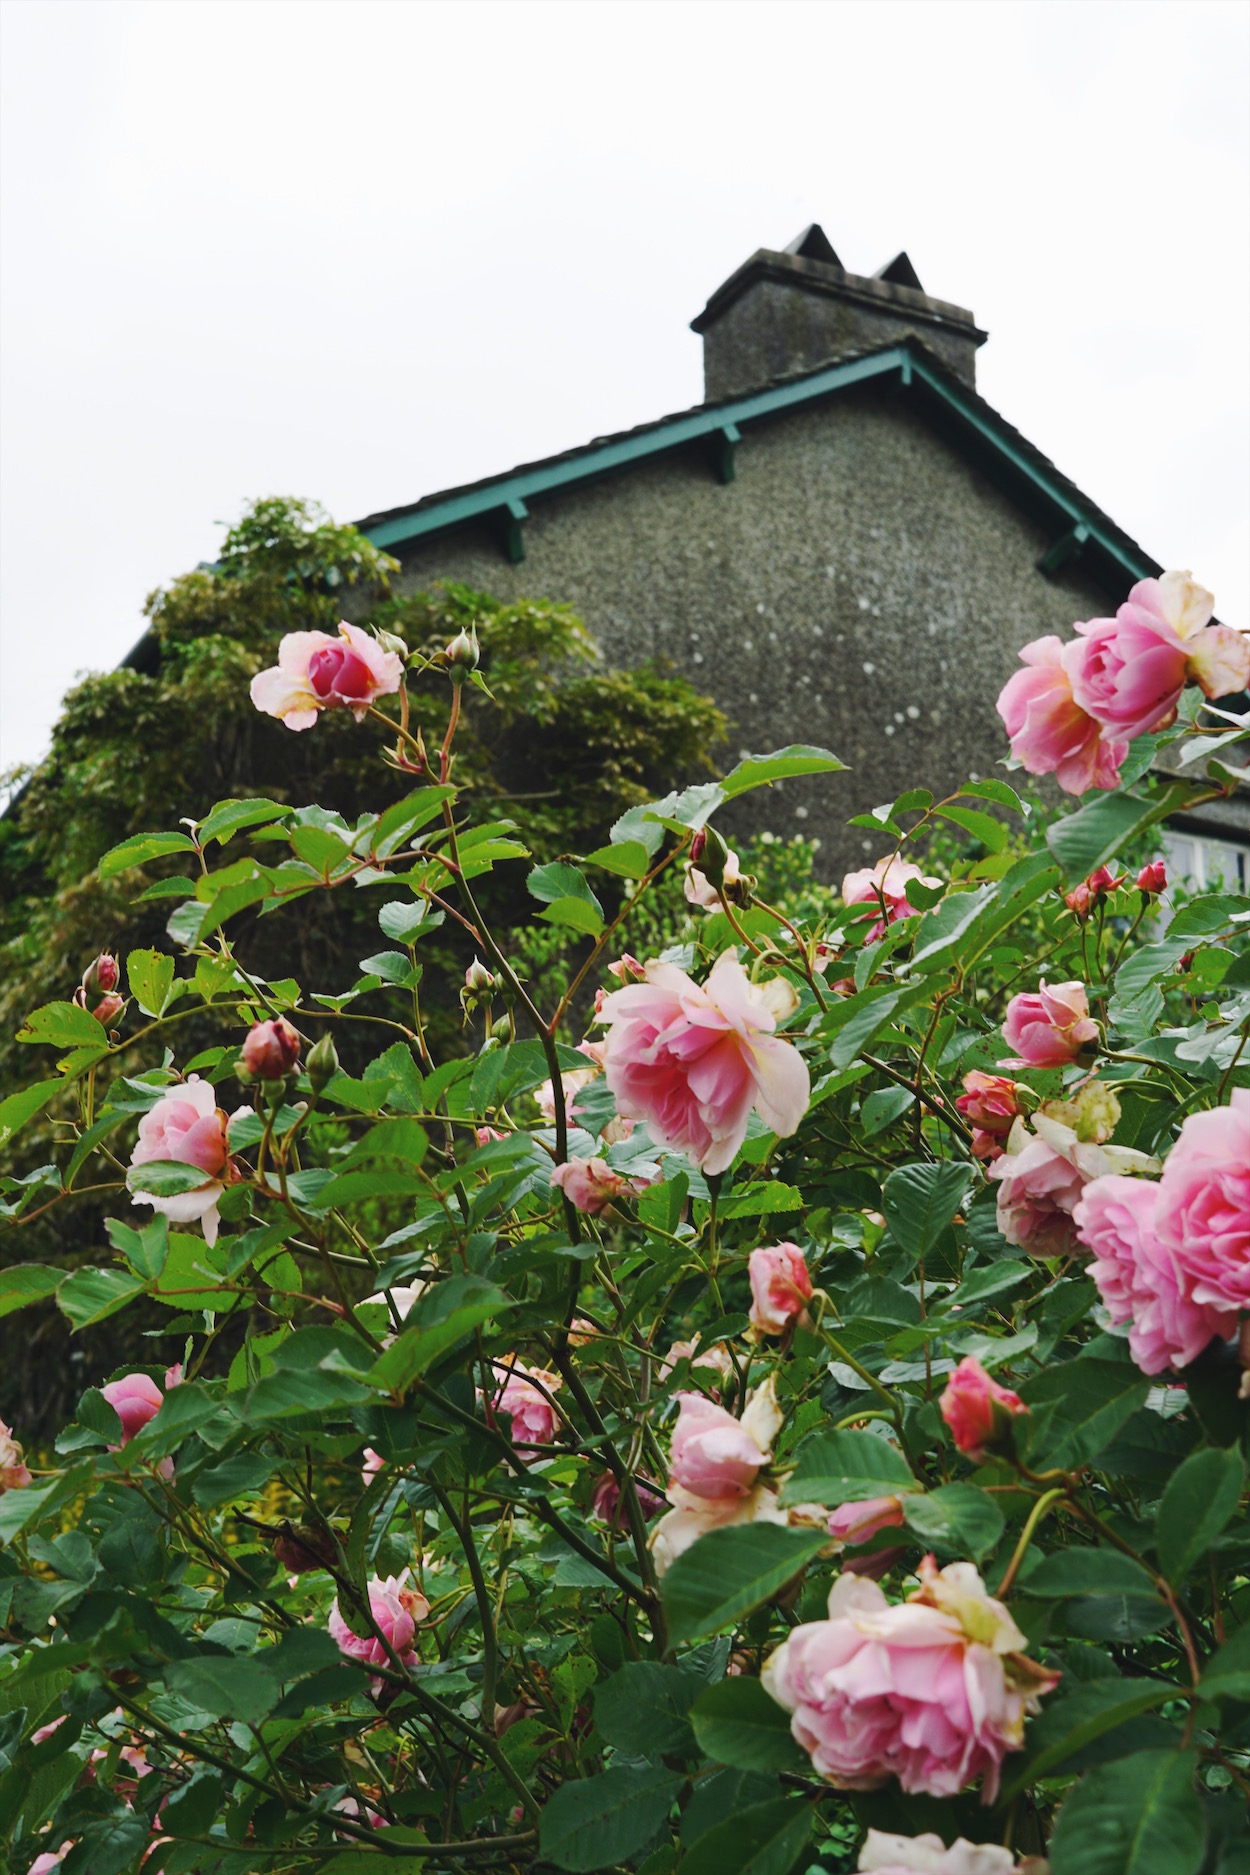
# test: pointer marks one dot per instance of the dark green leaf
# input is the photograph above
(738, 1724)
(1093, 1398)
(192, 1807)
(728, 1572)
(559, 880)
(767, 1839)
(63, 1025)
(1228, 1675)
(983, 827)
(23, 1283)
(594, 1822)
(230, 1686)
(1088, 1572)
(442, 1317)
(642, 1709)
(882, 1108)
(1084, 840)
(958, 1519)
(1137, 1816)
(919, 1202)
(1199, 1500)
(1067, 1725)
(847, 1468)
(229, 816)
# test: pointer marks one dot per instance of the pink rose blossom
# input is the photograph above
(976, 1408)
(717, 1356)
(1219, 661)
(186, 1127)
(13, 1473)
(135, 1398)
(694, 1061)
(933, 1691)
(1153, 878)
(605, 1503)
(1082, 898)
(396, 1610)
(625, 967)
(1204, 1206)
(373, 1464)
(1050, 1028)
(591, 1185)
(271, 1049)
(1050, 732)
(855, 1523)
(989, 1103)
(48, 1863)
(692, 1517)
(315, 672)
(885, 884)
(928, 1855)
(1039, 1188)
(780, 1287)
(523, 1397)
(715, 1455)
(1128, 672)
(489, 1135)
(1140, 1278)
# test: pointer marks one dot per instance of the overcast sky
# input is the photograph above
(364, 251)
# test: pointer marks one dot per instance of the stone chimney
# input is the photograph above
(783, 313)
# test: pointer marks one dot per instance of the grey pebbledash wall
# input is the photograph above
(859, 585)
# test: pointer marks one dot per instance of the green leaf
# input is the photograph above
(576, 914)
(994, 790)
(229, 816)
(1090, 1571)
(401, 821)
(766, 1839)
(958, 1519)
(151, 978)
(350, 1188)
(559, 881)
(89, 1295)
(941, 929)
(64, 1025)
(229, 1686)
(736, 1723)
(238, 1477)
(193, 1806)
(140, 848)
(24, 1283)
(762, 1199)
(1092, 1398)
(983, 827)
(1137, 1816)
(320, 848)
(920, 1201)
(1228, 1675)
(729, 1572)
(192, 1273)
(1069, 1724)
(1081, 842)
(798, 758)
(24, 1105)
(21, 1508)
(405, 920)
(847, 1468)
(441, 1318)
(165, 1178)
(628, 860)
(882, 1108)
(642, 1709)
(594, 1822)
(1199, 1500)
(145, 1250)
(1203, 917)
(997, 1279)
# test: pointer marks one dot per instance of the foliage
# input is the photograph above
(391, 1589)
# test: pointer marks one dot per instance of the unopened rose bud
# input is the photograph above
(101, 976)
(478, 978)
(108, 1009)
(271, 1050)
(697, 844)
(501, 1029)
(463, 655)
(1153, 878)
(390, 642)
(323, 1064)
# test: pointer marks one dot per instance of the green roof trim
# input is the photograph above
(969, 423)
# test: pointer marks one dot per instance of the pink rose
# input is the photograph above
(13, 1473)
(396, 1610)
(625, 967)
(48, 1863)
(884, 884)
(1140, 1278)
(855, 1523)
(928, 1855)
(715, 1455)
(1219, 660)
(315, 672)
(1049, 1029)
(780, 1287)
(693, 1061)
(591, 1185)
(186, 1127)
(1085, 896)
(1204, 1206)
(271, 1049)
(692, 1517)
(523, 1397)
(1128, 672)
(933, 1691)
(605, 1503)
(1050, 733)
(488, 1135)
(1153, 878)
(1039, 1188)
(373, 1464)
(135, 1398)
(989, 1101)
(976, 1408)
(717, 1356)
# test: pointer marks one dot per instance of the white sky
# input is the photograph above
(364, 251)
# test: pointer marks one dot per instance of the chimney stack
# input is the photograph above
(785, 313)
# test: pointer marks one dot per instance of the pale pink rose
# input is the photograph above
(13, 1473)
(693, 1061)
(45, 1731)
(174, 1376)
(591, 1185)
(932, 1691)
(1204, 1205)
(1219, 660)
(976, 1408)
(1039, 1188)
(1140, 1278)
(1050, 733)
(1050, 1028)
(692, 1517)
(373, 1464)
(855, 1523)
(490, 1135)
(989, 1101)
(523, 1396)
(1153, 878)
(271, 1049)
(396, 1610)
(135, 1398)
(928, 1855)
(717, 1357)
(187, 1127)
(884, 885)
(699, 889)
(1128, 672)
(713, 1454)
(571, 1083)
(780, 1287)
(316, 672)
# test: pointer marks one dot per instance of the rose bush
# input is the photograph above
(755, 1434)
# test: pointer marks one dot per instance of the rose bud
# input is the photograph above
(625, 967)
(271, 1050)
(101, 976)
(1049, 1028)
(323, 1064)
(463, 655)
(989, 1102)
(135, 1399)
(109, 1008)
(780, 1287)
(856, 1523)
(977, 1410)
(1153, 878)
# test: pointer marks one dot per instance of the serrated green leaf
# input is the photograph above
(231, 1686)
(920, 1201)
(847, 1468)
(765, 1839)
(736, 1723)
(442, 1317)
(1085, 1570)
(729, 1572)
(140, 848)
(575, 914)
(90, 1295)
(24, 1283)
(596, 1822)
(629, 859)
(150, 975)
(229, 817)
(24, 1105)
(983, 827)
(1136, 1816)
(64, 1025)
(642, 1709)
(958, 1519)
(1199, 1501)
(758, 771)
